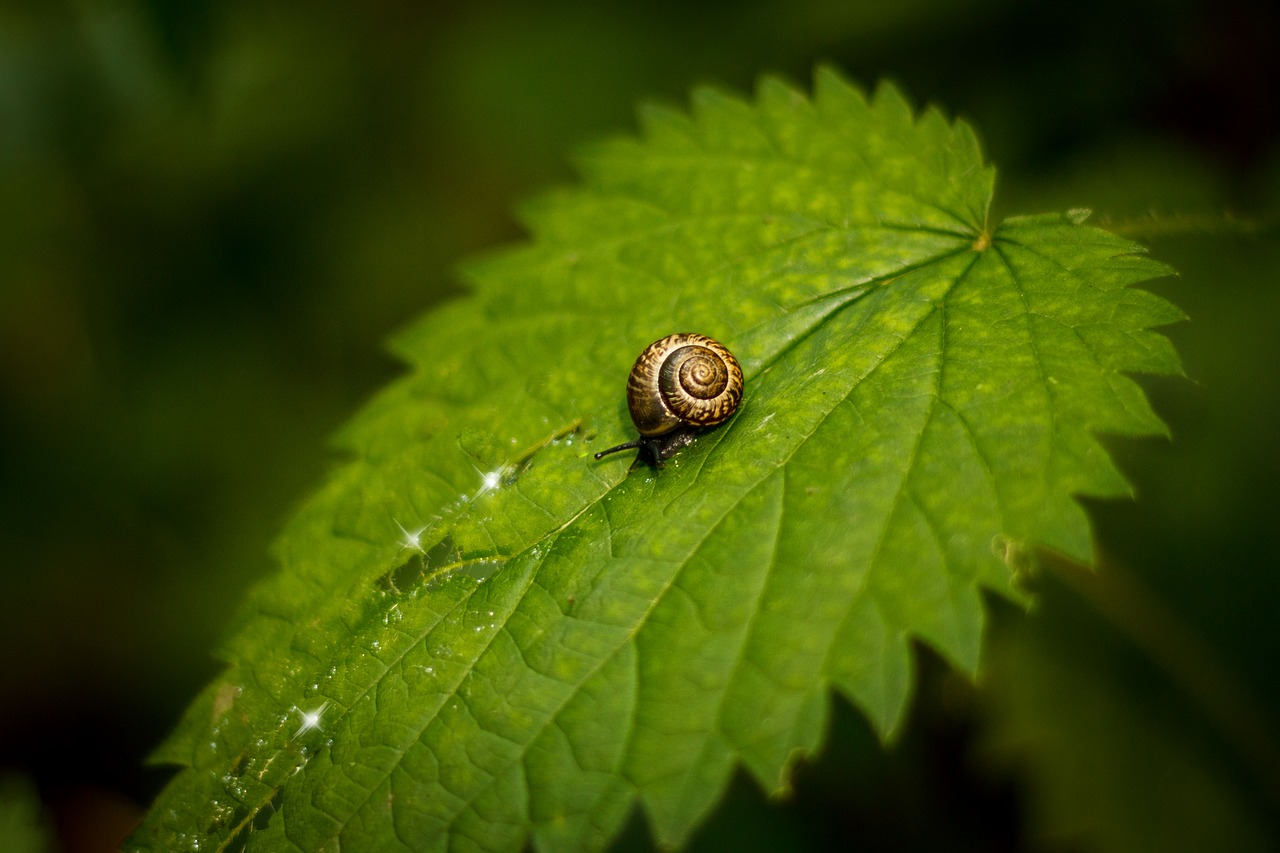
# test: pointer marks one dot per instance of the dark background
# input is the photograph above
(211, 214)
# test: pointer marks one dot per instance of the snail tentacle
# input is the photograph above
(635, 442)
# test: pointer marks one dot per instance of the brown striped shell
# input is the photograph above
(683, 380)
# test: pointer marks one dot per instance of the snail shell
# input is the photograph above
(678, 386)
(683, 379)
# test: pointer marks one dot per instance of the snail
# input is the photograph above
(679, 386)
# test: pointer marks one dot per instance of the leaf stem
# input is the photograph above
(1152, 226)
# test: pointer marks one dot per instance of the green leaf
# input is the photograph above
(511, 641)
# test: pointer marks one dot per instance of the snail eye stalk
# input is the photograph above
(634, 443)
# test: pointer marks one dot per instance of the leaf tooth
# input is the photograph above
(666, 126)
(539, 213)
(775, 95)
(893, 107)
(832, 90)
(728, 123)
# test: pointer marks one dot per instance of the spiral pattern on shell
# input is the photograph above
(683, 379)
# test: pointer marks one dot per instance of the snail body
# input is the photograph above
(679, 386)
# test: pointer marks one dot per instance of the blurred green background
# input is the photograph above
(211, 214)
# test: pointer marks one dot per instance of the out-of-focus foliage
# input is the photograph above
(23, 829)
(211, 215)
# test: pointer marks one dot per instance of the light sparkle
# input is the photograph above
(490, 480)
(310, 719)
(410, 540)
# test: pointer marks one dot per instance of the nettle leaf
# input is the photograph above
(501, 640)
